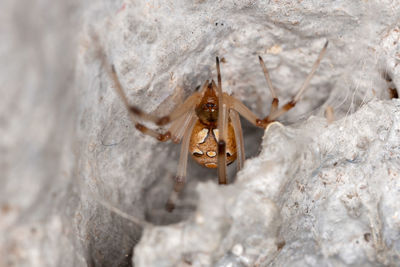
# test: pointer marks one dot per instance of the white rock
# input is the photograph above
(79, 183)
(316, 196)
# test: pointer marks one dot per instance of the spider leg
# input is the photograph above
(275, 100)
(175, 132)
(135, 112)
(285, 108)
(329, 114)
(189, 103)
(237, 128)
(241, 108)
(178, 127)
(180, 177)
(178, 124)
(222, 129)
(275, 111)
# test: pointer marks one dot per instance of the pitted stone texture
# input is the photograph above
(68, 147)
(318, 194)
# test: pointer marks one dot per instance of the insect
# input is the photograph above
(207, 124)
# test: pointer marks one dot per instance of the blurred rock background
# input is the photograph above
(69, 153)
(37, 120)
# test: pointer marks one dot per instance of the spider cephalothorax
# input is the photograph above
(207, 123)
(207, 109)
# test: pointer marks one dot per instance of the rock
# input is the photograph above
(80, 184)
(317, 195)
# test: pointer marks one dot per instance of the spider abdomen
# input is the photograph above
(204, 145)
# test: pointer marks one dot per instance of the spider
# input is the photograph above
(207, 123)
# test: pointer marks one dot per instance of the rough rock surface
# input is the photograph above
(79, 183)
(318, 194)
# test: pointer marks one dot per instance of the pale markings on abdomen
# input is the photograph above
(211, 165)
(197, 152)
(216, 134)
(202, 135)
(211, 154)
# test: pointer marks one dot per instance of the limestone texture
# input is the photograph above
(80, 186)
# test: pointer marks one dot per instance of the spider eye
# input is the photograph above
(209, 106)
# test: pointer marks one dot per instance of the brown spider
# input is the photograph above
(208, 124)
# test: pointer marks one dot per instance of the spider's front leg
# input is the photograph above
(137, 114)
(182, 120)
(222, 129)
(275, 111)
